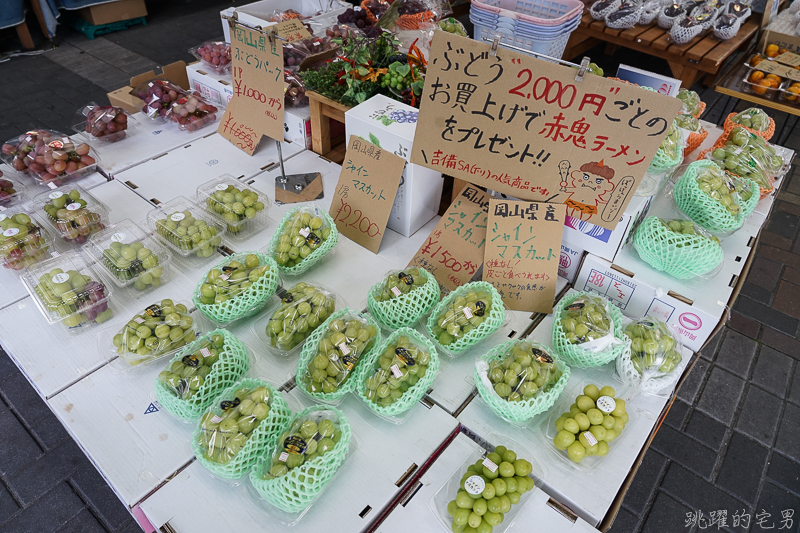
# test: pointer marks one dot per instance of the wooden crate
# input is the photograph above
(322, 111)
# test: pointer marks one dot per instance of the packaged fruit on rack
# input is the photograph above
(678, 247)
(654, 360)
(749, 155)
(754, 120)
(237, 287)
(333, 354)
(242, 422)
(304, 458)
(295, 52)
(241, 208)
(303, 308)
(398, 374)
(157, 331)
(215, 55)
(587, 330)
(199, 372)
(23, 241)
(106, 123)
(488, 489)
(466, 316)
(157, 97)
(790, 91)
(67, 289)
(185, 228)
(192, 112)
(714, 199)
(49, 156)
(692, 104)
(761, 83)
(588, 427)
(303, 237)
(519, 379)
(403, 297)
(74, 213)
(131, 256)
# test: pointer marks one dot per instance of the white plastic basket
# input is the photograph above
(550, 47)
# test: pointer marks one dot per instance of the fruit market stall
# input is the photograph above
(217, 326)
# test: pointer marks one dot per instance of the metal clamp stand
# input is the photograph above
(295, 183)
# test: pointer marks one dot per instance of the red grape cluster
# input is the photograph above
(294, 53)
(215, 54)
(377, 7)
(356, 18)
(48, 155)
(7, 190)
(412, 7)
(108, 123)
(157, 96)
(192, 112)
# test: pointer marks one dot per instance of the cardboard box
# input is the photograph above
(217, 88)
(113, 12)
(123, 97)
(258, 13)
(420, 191)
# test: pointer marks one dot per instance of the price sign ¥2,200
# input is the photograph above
(525, 127)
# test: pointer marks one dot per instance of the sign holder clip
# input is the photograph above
(295, 183)
(581, 68)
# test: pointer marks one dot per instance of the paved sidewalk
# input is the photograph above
(731, 442)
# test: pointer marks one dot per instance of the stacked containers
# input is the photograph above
(541, 26)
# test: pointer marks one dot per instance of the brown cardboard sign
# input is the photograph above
(788, 58)
(525, 127)
(782, 40)
(453, 252)
(773, 67)
(256, 108)
(523, 245)
(292, 30)
(365, 193)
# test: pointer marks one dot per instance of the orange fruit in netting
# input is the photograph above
(762, 86)
(756, 76)
(772, 50)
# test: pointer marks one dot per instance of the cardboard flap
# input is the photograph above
(174, 72)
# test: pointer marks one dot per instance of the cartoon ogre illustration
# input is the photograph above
(587, 187)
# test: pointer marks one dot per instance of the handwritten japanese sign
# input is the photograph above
(789, 58)
(526, 128)
(773, 67)
(453, 252)
(292, 30)
(365, 193)
(256, 108)
(523, 246)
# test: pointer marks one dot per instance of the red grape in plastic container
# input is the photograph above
(215, 55)
(49, 156)
(106, 123)
(192, 112)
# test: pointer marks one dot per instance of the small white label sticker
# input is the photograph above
(224, 277)
(474, 485)
(283, 457)
(467, 312)
(118, 237)
(606, 404)
(590, 438)
(74, 206)
(396, 291)
(177, 217)
(56, 194)
(51, 185)
(488, 463)
(216, 419)
(396, 371)
(10, 232)
(344, 349)
(60, 278)
(305, 232)
(54, 254)
(222, 187)
(139, 320)
(205, 352)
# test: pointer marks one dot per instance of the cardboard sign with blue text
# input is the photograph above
(365, 193)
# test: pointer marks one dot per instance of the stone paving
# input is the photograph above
(730, 443)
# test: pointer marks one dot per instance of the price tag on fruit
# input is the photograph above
(453, 252)
(523, 245)
(525, 127)
(365, 193)
(256, 108)
(292, 30)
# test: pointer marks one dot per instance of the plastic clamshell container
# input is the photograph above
(219, 198)
(62, 292)
(14, 237)
(790, 97)
(75, 220)
(447, 492)
(97, 119)
(10, 192)
(191, 112)
(151, 93)
(37, 145)
(222, 48)
(753, 88)
(167, 220)
(109, 247)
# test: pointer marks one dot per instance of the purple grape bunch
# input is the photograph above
(356, 18)
(404, 117)
(90, 300)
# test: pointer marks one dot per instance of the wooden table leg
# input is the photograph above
(687, 75)
(24, 35)
(320, 128)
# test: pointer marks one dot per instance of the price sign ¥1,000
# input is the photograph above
(256, 108)
(524, 127)
(453, 252)
(365, 193)
(523, 244)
